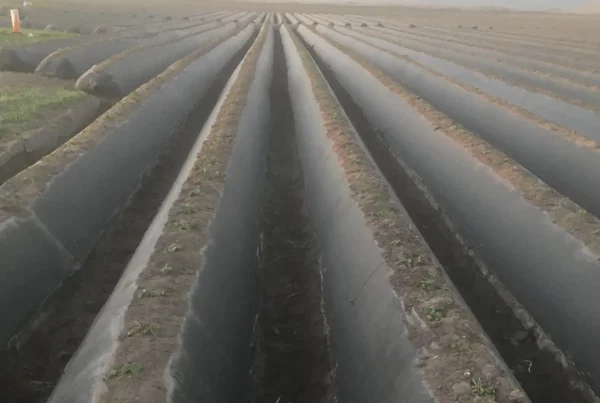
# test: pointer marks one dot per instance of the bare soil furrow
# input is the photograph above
(293, 349)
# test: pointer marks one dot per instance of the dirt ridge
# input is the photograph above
(565, 213)
(559, 208)
(436, 319)
(552, 128)
(531, 88)
(153, 319)
(106, 63)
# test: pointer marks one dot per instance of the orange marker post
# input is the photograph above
(16, 22)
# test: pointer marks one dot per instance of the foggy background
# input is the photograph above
(563, 5)
(520, 4)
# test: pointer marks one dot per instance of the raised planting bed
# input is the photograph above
(532, 264)
(115, 77)
(26, 57)
(583, 121)
(169, 332)
(71, 62)
(535, 147)
(399, 329)
(51, 213)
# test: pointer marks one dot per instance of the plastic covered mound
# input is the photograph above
(10, 60)
(73, 30)
(101, 84)
(57, 67)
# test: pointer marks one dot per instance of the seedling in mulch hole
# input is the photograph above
(166, 270)
(129, 369)
(145, 293)
(428, 285)
(174, 247)
(479, 389)
(597, 232)
(434, 314)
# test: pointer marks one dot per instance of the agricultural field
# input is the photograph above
(280, 203)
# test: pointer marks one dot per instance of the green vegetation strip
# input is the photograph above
(24, 107)
(7, 38)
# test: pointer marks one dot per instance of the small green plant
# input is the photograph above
(174, 247)
(434, 314)
(188, 209)
(383, 214)
(145, 293)
(597, 231)
(428, 285)
(461, 346)
(479, 389)
(166, 269)
(129, 369)
(414, 261)
(152, 329)
(144, 328)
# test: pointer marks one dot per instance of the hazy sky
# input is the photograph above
(522, 4)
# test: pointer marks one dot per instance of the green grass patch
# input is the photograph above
(129, 370)
(24, 107)
(479, 389)
(434, 314)
(428, 285)
(7, 38)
